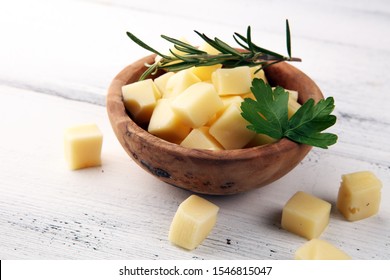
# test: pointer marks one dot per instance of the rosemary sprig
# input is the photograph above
(229, 57)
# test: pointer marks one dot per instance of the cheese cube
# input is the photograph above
(232, 99)
(140, 98)
(206, 47)
(193, 221)
(171, 50)
(204, 72)
(176, 51)
(249, 95)
(305, 215)
(293, 94)
(359, 195)
(161, 82)
(83, 145)
(200, 138)
(317, 249)
(227, 101)
(259, 74)
(229, 81)
(293, 106)
(165, 124)
(260, 139)
(230, 129)
(179, 82)
(197, 104)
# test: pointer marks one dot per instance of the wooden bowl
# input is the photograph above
(203, 171)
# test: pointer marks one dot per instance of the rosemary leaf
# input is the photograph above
(183, 46)
(288, 39)
(228, 56)
(142, 44)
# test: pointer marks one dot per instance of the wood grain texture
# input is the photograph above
(55, 70)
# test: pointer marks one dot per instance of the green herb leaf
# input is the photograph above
(142, 44)
(229, 56)
(288, 38)
(268, 114)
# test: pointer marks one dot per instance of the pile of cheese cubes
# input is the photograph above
(306, 215)
(198, 107)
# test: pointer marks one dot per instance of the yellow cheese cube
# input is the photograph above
(174, 50)
(293, 94)
(227, 101)
(204, 72)
(260, 139)
(233, 99)
(359, 195)
(306, 215)
(140, 98)
(193, 221)
(200, 138)
(197, 104)
(259, 74)
(317, 249)
(230, 129)
(293, 106)
(165, 124)
(229, 81)
(206, 47)
(83, 145)
(161, 82)
(179, 82)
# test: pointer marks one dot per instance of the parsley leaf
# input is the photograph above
(268, 114)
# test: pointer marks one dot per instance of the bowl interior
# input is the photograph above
(204, 171)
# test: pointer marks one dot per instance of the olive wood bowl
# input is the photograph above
(204, 171)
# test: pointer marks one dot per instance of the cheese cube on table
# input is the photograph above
(317, 249)
(200, 138)
(197, 104)
(228, 81)
(204, 73)
(193, 221)
(161, 82)
(83, 145)
(230, 129)
(165, 124)
(179, 82)
(140, 98)
(306, 215)
(359, 195)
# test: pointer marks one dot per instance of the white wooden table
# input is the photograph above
(57, 59)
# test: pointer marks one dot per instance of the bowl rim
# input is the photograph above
(118, 111)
